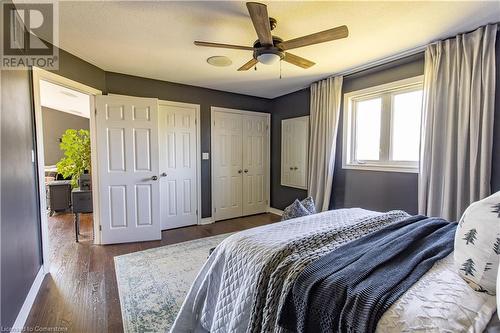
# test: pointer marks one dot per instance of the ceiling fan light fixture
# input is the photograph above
(268, 58)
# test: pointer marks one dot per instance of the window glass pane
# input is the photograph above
(368, 120)
(406, 111)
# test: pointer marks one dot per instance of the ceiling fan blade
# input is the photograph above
(248, 65)
(224, 46)
(298, 61)
(319, 37)
(260, 20)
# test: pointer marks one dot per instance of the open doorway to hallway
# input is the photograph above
(66, 156)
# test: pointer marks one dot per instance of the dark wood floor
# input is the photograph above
(80, 293)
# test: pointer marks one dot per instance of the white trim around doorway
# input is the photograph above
(41, 74)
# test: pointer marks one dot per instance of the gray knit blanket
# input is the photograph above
(349, 289)
(242, 285)
(282, 268)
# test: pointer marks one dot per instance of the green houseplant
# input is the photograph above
(76, 160)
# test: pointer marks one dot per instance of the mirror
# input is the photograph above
(294, 151)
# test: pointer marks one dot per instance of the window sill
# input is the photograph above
(381, 168)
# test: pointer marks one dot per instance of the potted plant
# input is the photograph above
(76, 160)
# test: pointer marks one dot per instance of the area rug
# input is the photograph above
(152, 284)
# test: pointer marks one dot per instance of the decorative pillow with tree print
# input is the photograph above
(477, 244)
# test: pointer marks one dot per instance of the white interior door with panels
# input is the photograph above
(254, 164)
(179, 164)
(240, 163)
(127, 147)
(227, 165)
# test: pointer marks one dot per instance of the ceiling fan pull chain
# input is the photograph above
(280, 69)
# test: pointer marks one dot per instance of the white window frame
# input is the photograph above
(386, 92)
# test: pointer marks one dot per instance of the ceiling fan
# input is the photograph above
(268, 48)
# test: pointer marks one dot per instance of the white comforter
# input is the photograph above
(220, 299)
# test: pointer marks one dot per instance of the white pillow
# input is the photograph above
(477, 244)
(440, 301)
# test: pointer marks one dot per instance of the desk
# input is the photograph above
(82, 203)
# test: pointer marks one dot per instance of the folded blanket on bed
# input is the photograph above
(281, 269)
(223, 297)
(349, 289)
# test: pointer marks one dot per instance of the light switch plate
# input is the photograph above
(205, 156)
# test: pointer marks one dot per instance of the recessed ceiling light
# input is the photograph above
(219, 61)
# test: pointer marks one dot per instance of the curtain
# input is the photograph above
(324, 119)
(457, 123)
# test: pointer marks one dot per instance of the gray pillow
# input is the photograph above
(296, 209)
(308, 203)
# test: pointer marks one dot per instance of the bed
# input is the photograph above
(244, 283)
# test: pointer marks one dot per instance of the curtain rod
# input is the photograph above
(381, 61)
(386, 60)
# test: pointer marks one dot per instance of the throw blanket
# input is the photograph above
(232, 291)
(348, 290)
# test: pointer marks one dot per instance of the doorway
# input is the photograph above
(65, 138)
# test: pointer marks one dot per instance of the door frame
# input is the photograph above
(198, 149)
(41, 74)
(214, 109)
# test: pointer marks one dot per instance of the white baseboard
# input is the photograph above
(207, 220)
(275, 211)
(28, 302)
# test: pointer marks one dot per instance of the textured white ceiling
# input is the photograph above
(155, 39)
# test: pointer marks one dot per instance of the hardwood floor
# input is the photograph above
(80, 294)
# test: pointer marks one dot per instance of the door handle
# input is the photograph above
(291, 168)
(295, 168)
(239, 171)
(245, 171)
(154, 178)
(164, 174)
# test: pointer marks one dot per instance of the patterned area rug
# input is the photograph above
(152, 284)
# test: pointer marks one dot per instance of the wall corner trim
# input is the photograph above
(207, 220)
(275, 211)
(28, 302)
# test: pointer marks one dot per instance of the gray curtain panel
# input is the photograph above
(457, 123)
(324, 120)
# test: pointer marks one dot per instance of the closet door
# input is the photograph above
(255, 164)
(227, 165)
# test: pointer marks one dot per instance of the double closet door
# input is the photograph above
(240, 163)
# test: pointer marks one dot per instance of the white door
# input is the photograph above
(178, 166)
(255, 140)
(227, 165)
(127, 148)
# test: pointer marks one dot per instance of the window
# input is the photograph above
(382, 127)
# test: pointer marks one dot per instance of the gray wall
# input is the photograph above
(351, 188)
(21, 256)
(137, 86)
(288, 106)
(376, 190)
(20, 227)
(368, 189)
(55, 123)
